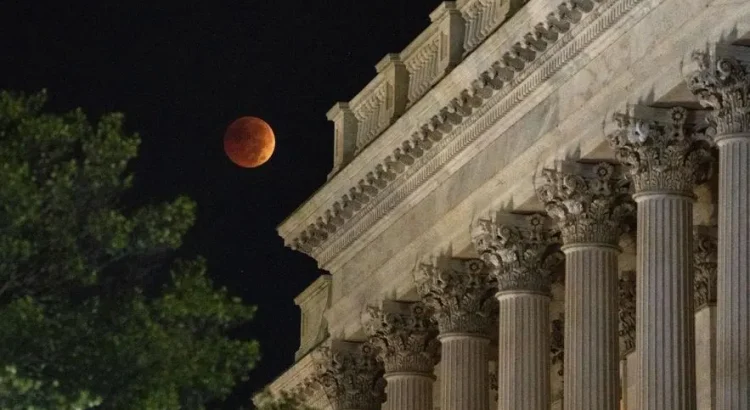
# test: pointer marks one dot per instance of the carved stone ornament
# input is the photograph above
(404, 335)
(519, 59)
(557, 343)
(705, 264)
(305, 389)
(724, 85)
(521, 251)
(627, 312)
(591, 203)
(662, 157)
(494, 381)
(351, 376)
(461, 295)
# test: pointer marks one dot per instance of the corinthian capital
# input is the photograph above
(404, 335)
(627, 312)
(460, 293)
(350, 375)
(591, 203)
(723, 83)
(705, 264)
(520, 250)
(661, 151)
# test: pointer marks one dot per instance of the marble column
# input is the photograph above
(404, 336)
(350, 375)
(590, 203)
(521, 252)
(723, 84)
(459, 292)
(665, 158)
(704, 259)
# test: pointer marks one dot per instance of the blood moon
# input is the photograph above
(249, 142)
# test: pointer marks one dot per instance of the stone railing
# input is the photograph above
(436, 51)
(382, 101)
(483, 17)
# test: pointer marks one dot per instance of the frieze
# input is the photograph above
(461, 295)
(521, 251)
(663, 156)
(591, 202)
(500, 87)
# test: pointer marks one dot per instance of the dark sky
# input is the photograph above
(181, 73)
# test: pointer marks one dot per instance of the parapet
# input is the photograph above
(403, 78)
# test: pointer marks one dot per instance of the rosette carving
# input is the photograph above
(591, 203)
(627, 312)
(662, 156)
(521, 251)
(724, 85)
(461, 295)
(404, 335)
(705, 257)
(351, 376)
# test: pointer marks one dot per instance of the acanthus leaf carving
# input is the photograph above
(350, 375)
(705, 249)
(723, 84)
(404, 335)
(662, 156)
(626, 290)
(521, 251)
(591, 203)
(461, 295)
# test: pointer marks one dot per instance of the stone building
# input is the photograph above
(537, 204)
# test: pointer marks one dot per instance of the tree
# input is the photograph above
(96, 309)
(266, 400)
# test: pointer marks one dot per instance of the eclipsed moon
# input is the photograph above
(249, 142)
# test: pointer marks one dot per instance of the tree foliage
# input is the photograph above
(96, 311)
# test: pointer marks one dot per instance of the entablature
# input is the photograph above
(503, 71)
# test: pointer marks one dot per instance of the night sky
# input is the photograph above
(181, 74)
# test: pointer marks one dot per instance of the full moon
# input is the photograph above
(249, 142)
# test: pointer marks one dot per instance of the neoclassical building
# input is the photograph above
(537, 204)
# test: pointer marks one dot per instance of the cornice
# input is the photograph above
(300, 379)
(521, 69)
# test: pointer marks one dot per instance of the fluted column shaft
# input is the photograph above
(524, 349)
(460, 293)
(463, 372)
(591, 203)
(665, 322)
(404, 334)
(408, 391)
(733, 282)
(591, 322)
(523, 251)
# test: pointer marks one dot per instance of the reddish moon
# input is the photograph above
(249, 142)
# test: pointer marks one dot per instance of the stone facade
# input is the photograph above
(520, 201)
